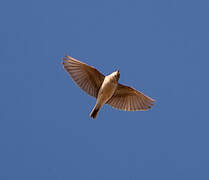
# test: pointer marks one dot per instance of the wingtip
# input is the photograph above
(68, 58)
(65, 59)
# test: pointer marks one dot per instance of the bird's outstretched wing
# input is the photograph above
(86, 77)
(128, 99)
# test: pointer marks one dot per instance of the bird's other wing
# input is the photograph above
(128, 99)
(86, 77)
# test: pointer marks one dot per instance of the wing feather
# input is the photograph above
(129, 99)
(88, 78)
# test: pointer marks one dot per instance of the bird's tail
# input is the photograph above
(95, 111)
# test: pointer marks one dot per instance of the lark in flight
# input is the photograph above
(106, 89)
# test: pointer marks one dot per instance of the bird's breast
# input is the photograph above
(107, 90)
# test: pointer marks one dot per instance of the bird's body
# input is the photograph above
(105, 89)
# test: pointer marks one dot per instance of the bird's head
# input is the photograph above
(117, 75)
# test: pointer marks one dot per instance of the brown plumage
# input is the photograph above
(106, 89)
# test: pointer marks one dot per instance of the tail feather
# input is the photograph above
(94, 112)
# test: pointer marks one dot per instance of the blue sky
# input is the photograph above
(161, 48)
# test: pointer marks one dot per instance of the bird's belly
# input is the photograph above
(106, 92)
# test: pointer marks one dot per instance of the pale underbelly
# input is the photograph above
(106, 92)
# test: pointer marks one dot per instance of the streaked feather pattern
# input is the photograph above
(86, 77)
(128, 99)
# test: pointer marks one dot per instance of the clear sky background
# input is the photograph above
(161, 48)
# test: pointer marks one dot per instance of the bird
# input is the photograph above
(105, 89)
